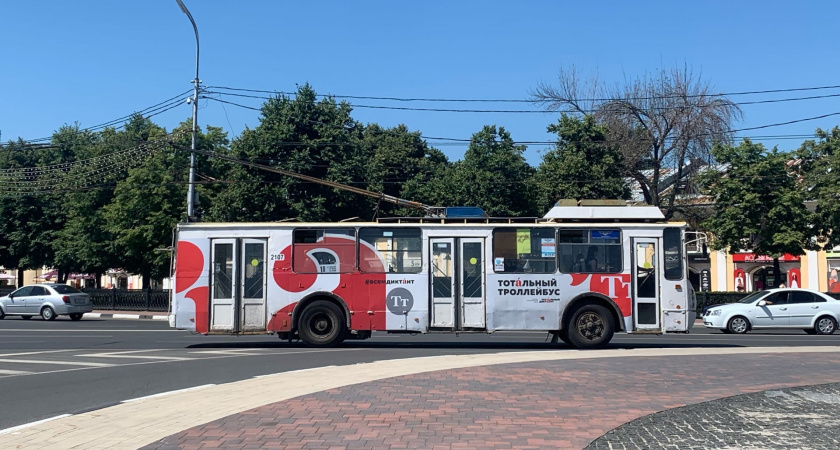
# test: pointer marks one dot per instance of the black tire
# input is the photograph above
(321, 324)
(2, 314)
(825, 325)
(810, 331)
(76, 316)
(591, 326)
(47, 313)
(25, 317)
(562, 335)
(738, 325)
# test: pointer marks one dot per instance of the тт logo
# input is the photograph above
(399, 301)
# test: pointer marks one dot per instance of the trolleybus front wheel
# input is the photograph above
(591, 326)
(321, 324)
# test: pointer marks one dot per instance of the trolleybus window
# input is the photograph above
(672, 242)
(524, 250)
(589, 251)
(400, 248)
(331, 250)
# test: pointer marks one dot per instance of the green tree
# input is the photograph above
(758, 205)
(30, 213)
(402, 164)
(820, 166)
(582, 165)
(493, 175)
(301, 135)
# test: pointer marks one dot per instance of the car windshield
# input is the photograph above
(752, 297)
(64, 289)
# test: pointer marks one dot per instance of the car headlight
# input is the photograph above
(715, 312)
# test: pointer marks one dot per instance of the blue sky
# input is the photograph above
(93, 61)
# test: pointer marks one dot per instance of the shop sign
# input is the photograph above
(752, 257)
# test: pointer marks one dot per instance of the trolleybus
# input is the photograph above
(581, 273)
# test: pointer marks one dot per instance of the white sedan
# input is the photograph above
(808, 310)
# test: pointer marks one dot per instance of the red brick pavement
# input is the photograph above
(552, 404)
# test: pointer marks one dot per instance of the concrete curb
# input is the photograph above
(96, 315)
(146, 420)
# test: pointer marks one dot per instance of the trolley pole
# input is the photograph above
(194, 100)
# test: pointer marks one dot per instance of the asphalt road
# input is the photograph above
(64, 367)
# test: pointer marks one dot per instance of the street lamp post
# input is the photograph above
(194, 99)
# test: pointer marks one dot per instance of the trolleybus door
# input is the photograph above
(222, 284)
(646, 285)
(252, 286)
(458, 291)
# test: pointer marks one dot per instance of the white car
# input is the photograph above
(46, 300)
(808, 310)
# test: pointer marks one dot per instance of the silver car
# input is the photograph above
(808, 310)
(46, 300)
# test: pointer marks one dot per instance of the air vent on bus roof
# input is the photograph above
(464, 212)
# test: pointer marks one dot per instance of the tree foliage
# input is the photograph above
(758, 205)
(582, 165)
(660, 121)
(819, 164)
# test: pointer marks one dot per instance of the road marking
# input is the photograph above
(35, 353)
(168, 393)
(31, 424)
(130, 354)
(13, 372)
(65, 363)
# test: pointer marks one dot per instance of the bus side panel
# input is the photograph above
(534, 302)
(191, 298)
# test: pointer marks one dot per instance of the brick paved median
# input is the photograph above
(549, 404)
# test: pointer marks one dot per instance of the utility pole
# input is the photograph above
(194, 101)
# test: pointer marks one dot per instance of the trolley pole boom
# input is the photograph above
(377, 195)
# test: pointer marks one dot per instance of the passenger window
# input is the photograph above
(331, 250)
(779, 298)
(589, 251)
(390, 250)
(524, 250)
(38, 290)
(23, 292)
(801, 297)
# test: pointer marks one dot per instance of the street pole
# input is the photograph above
(194, 99)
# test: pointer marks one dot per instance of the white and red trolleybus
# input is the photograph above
(581, 273)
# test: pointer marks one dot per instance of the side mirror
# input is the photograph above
(762, 303)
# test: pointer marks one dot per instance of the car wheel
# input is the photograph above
(810, 331)
(738, 325)
(591, 327)
(47, 313)
(25, 317)
(825, 325)
(76, 316)
(321, 324)
(2, 314)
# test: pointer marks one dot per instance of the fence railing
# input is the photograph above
(123, 299)
(129, 299)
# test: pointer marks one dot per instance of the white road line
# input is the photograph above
(13, 372)
(35, 353)
(31, 424)
(59, 363)
(131, 354)
(168, 393)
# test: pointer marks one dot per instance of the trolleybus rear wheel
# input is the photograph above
(591, 326)
(321, 324)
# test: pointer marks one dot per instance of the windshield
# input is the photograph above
(752, 297)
